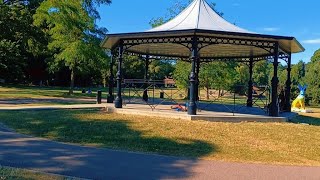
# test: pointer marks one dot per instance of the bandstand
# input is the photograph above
(199, 35)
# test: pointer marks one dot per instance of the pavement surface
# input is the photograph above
(38, 154)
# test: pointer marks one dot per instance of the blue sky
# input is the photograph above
(276, 17)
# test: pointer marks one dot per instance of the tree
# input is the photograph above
(298, 74)
(260, 73)
(181, 74)
(316, 56)
(19, 40)
(312, 77)
(218, 75)
(161, 69)
(25, 63)
(242, 77)
(133, 67)
(74, 37)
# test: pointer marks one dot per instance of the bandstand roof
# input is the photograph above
(200, 20)
(199, 15)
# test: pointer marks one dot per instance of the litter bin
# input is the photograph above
(99, 96)
(161, 95)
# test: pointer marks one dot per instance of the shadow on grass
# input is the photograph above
(66, 126)
(306, 119)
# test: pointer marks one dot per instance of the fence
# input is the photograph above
(134, 91)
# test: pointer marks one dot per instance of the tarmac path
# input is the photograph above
(38, 154)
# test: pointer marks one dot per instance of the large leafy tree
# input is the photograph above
(74, 36)
(260, 73)
(312, 77)
(159, 70)
(217, 75)
(181, 74)
(316, 56)
(19, 39)
(133, 67)
(297, 77)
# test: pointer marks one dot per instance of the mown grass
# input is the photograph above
(309, 118)
(24, 92)
(8, 173)
(273, 143)
(34, 92)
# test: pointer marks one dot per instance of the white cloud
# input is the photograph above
(312, 41)
(271, 29)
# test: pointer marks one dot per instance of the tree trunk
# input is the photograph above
(208, 89)
(104, 81)
(208, 93)
(206, 86)
(219, 93)
(71, 82)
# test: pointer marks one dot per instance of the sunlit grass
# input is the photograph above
(275, 143)
(23, 92)
(179, 95)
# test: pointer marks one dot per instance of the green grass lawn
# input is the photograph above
(272, 143)
(35, 92)
(37, 96)
(309, 118)
(23, 92)
(27, 92)
(8, 173)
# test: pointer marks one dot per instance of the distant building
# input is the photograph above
(169, 82)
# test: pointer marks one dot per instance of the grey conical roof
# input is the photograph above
(199, 15)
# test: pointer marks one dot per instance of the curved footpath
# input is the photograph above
(22, 151)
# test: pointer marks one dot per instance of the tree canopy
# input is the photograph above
(19, 40)
(312, 77)
(74, 37)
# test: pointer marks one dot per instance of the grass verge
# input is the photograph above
(273, 143)
(7, 173)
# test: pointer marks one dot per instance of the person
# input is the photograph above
(89, 91)
(179, 107)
